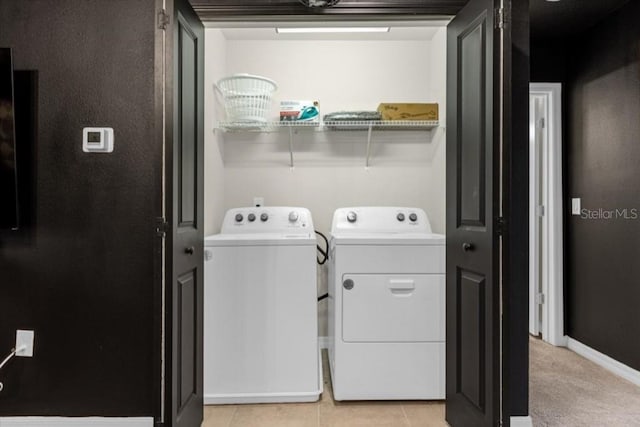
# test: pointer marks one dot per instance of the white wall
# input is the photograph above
(215, 68)
(406, 169)
(436, 206)
(340, 74)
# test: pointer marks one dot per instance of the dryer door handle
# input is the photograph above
(402, 285)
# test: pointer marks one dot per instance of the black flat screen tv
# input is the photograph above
(9, 214)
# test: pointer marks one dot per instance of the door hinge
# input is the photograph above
(501, 225)
(540, 210)
(542, 123)
(540, 298)
(161, 227)
(501, 18)
(163, 19)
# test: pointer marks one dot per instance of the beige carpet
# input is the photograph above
(567, 390)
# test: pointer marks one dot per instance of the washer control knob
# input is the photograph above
(400, 217)
(239, 217)
(264, 217)
(352, 216)
(251, 217)
(293, 216)
(348, 284)
(413, 217)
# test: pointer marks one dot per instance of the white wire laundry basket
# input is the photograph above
(247, 98)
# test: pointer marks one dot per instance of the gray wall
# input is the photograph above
(85, 282)
(603, 168)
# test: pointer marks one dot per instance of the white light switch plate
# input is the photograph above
(24, 339)
(576, 206)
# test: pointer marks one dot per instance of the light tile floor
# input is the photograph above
(328, 413)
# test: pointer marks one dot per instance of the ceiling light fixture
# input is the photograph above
(292, 30)
(319, 3)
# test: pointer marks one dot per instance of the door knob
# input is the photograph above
(190, 250)
(467, 247)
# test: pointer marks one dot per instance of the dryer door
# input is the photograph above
(393, 307)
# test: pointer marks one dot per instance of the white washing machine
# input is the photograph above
(260, 308)
(386, 305)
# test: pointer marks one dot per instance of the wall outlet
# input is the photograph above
(258, 201)
(24, 343)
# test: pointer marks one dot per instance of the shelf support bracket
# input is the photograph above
(369, 131)
(291, 147)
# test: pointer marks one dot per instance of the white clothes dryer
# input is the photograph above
(260, 308)
(386, 305)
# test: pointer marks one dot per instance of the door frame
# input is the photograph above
(514, 255)
(546, 245)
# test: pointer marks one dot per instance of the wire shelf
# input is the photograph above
(381, 124)
(331, 126)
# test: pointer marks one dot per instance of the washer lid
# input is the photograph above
(381, 239)
(260, 239)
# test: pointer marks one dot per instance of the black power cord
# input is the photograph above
(325, 257)
(324, 252)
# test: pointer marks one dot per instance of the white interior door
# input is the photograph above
(537, 149)
(546, 296)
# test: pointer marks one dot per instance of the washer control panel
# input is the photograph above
(381, 219)
(272, 219)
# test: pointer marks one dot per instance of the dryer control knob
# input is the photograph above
(239, 217)
(400, 217)
(352, 216)
(264, 217)
(251, 217)
(293, 216)
(413, 217)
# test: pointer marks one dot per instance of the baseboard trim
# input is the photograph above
(611, 365)
(75, 422)
(323, 342)
(521, 422)
(242, 398)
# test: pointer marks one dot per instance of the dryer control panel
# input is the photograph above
(272, 219)
(380, 220)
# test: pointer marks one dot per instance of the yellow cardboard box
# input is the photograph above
(403, 111)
